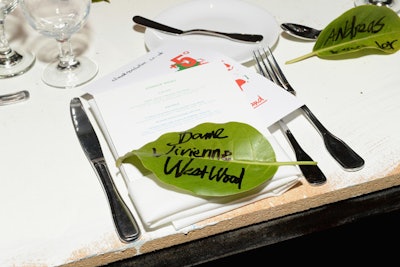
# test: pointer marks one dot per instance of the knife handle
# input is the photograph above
(124, 221)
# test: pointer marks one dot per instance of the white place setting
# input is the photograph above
(137, 83)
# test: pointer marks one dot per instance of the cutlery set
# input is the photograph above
(339, 150)
(296, 30)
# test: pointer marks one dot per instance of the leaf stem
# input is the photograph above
(279, 163)
(301, 58)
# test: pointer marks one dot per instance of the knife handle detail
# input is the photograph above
(124, 221)
(253, 38)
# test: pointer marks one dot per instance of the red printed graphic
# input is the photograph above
(183, 61)
(258, 102)
(240, 82)
(229, 67)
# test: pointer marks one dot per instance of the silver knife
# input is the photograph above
(253, 38)
(14, 98)
(124, 221)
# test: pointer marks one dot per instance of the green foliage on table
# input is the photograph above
(95, 1)
(210, 159)
(360, 30)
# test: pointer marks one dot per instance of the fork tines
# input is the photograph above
(269, 67)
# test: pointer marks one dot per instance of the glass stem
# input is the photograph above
(8, 57)
(4, 46)
(66, 56)
(381, 2)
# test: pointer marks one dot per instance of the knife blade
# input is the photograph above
(125, 224)
(252, 38)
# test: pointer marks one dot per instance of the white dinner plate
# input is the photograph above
(219, 15)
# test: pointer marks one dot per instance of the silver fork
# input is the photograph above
(312, 173)
(340, 151)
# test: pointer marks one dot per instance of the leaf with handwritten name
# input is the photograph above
(361, 29)
(211, 159)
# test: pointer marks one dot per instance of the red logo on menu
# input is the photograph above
(183, 61)
(258, 102)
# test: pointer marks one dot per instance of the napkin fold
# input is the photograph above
(137, 110)
(158, 205)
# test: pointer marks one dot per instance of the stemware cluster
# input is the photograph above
(12, 62)
(58, 19)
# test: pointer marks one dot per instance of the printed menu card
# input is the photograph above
(140, 102)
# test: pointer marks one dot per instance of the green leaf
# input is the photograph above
(362, 29)
(95, 1)
(210, 159)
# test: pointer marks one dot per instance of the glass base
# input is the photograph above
(20, 63)
(69, 78)
(392, 4)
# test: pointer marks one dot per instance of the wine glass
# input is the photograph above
(60, 19)
(393, 4)
(12, 63)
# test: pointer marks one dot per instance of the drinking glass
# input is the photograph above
(60, 19)
(12, 63)
(393, 4)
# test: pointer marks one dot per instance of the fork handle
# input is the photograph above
(339, 150)
(312, 173)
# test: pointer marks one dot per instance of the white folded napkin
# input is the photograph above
(159, 205)
(133, 114)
